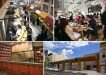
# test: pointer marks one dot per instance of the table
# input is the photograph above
(78, 28)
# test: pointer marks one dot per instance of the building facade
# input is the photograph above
(90, 62)
(103, 56)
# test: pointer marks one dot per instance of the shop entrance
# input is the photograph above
(88, 67)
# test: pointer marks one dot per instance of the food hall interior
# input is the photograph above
(80, 20)
(26, 20)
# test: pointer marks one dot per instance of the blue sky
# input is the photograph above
(72, 49)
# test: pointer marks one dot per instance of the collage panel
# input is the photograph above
(75, 58)
(80, 20)
(21, 58)
(26, 20)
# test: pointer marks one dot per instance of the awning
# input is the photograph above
(49, 20)
(38, 11)
(43, 14)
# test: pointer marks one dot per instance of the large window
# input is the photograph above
(104, 54)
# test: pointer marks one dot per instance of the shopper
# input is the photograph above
(18, 32)
(92, 24)
(29, 36)
(103, 19)
(64, 30)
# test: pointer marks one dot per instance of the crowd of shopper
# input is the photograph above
(68, 26)
(24, 26)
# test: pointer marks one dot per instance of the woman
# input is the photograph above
(66, 31)
(29, 37)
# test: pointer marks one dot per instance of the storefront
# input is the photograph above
(79, 64)
(103, 56)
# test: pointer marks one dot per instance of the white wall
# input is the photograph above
(58, 57)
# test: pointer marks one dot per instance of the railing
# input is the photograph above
(14, 68)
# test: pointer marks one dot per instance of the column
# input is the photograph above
(98, 63)
(79, 66)
(70, 66)
(4, 29)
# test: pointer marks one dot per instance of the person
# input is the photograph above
(29, 30)
(103, 19)
(66, 31)
(18, 32)
(79, 20)
(70, 16)
(92, 24)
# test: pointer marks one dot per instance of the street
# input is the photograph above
(62, 73)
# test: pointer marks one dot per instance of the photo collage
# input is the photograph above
(52, 37)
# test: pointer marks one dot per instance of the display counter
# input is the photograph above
(21, 68)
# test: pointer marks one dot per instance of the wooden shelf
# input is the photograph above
(5, 52)
(38, 54)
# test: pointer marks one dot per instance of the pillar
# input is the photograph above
(58, 65)
(70, 66)
(79, 66)
(98, 63)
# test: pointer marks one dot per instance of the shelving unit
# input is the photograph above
(38, 54)
(5, 52)
(48, 6)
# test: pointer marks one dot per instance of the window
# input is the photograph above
(104, 54)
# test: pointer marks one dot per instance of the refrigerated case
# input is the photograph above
(2, 30)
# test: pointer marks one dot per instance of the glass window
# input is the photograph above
(104, 54)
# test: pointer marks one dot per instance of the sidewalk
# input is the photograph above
(89, 72)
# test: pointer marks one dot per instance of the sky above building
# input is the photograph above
(73, 49)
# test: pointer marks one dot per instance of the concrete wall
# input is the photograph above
(58, 57)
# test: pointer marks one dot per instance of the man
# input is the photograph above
(103, 19)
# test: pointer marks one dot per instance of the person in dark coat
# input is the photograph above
(103, 19)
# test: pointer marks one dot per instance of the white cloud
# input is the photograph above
(77, 44)
(70, 45)
(49, 45)
(67, 52)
